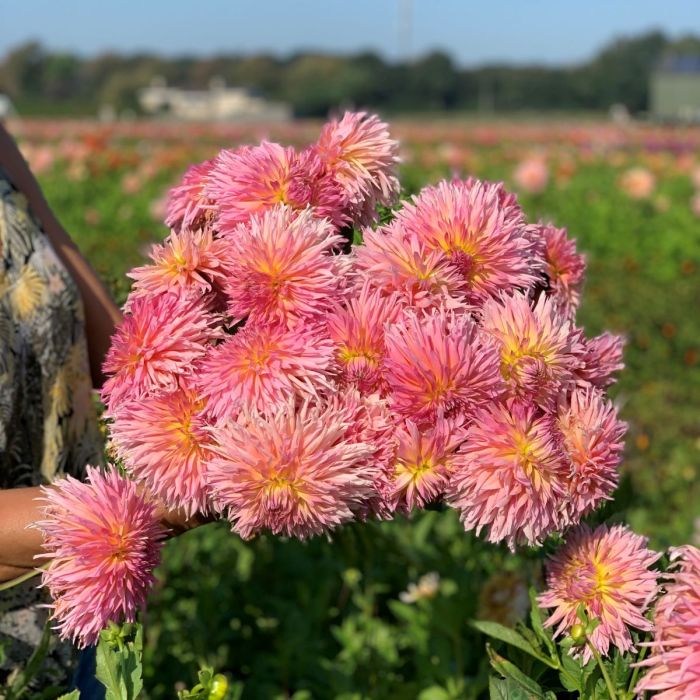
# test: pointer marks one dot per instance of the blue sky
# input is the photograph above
(472, 31)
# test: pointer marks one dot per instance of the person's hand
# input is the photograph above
(177, 522)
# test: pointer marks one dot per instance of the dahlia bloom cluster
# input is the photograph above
(262, 375)
(272, 373)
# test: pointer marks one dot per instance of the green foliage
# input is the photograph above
(118, 658)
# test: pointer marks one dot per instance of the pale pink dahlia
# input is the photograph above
(249, 180)
(593, 442)
(538, 346)
(607, 570)
(357, 328)
(261, 366)
(187, 205)
(283, 268)
(156, 343)
(423, 463)
(600, 358)
(674, 664)
(102, 541)
(565, 268)
(293, 472)
(481, 232)
(188, 261)
(359, 152)
(510, 475)
(164, 442)
(397, 263)
(439, 365)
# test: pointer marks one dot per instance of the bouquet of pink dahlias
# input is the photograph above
(272, 370)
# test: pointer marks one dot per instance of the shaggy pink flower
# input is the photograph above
(593, 443)
(358, 151)
(187, 205)
(674, 664)
(312, 183)
(637, 183)
(283, 268)
(294, 472)
(371, 424)
(510, 475)
(565, 268)
(102, 541)
(537, 345)
(607, 570)
(532, 175)
(261, 366)
(157, 342)
(480, 230)
(164, 442)
(600, 358)
(423, 463)
(357, 328)
(395, 263)
(438, 366)
(249, 180)
(187, 261)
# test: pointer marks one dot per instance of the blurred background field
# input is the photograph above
(362, 617)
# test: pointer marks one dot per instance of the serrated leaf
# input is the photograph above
(505, 689)
(507, 635)
(571, 674)
(107, 672)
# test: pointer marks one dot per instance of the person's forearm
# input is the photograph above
(101, 313)
(19, 543)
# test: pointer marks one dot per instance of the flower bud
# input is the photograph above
(578, 634)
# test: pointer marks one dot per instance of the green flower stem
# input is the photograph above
(635, 673)
(603, 670)
(21, 579)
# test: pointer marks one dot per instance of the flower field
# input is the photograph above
(384, 609)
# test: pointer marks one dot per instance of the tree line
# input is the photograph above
(49, 82)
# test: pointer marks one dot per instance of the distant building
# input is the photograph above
(218, 103)
(674, 89)
(6, 107)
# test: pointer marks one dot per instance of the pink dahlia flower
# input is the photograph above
(423, 463)
(600, 358)
(187, 261)
(565, 268)
(593, 441)
(283, 268)
(607, 570)
(538, 346)
(187, 205)
(294, 472)
(261, 366)
(481, 232)
(362, 157)
(156, 343)
(164, 442)
(532, 175)
(674, 664)
(438, 366)
(510, 475)
(638, 183)
(397, 263)
(357, 328)
(102, 541)
(249, 180)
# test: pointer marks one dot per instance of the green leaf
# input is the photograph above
(538, 624)
(509, 636)
(19, 686)
(572, 674)
(513, 673)
(506, 689)
(75, 695)
(107, 671)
